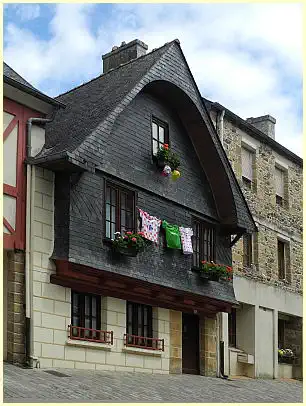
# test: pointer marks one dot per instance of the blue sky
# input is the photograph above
(247, 57)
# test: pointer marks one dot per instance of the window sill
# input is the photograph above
(89, 344)
(234, 349)
(142, 351)
(107, 241)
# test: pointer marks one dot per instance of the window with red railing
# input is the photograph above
(139, 325)
(86, 316)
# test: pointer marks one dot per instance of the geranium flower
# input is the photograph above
(166, 146)
(128, 232)
(203, 262)
(134, 239)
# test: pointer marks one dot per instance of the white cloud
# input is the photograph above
(247, 57)
(27, 12)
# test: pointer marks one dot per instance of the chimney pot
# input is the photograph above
(265, 124)
(123, 54)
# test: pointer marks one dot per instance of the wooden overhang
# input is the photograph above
(86, 279)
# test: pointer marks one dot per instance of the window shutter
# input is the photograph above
(247, 163)
(279, 182)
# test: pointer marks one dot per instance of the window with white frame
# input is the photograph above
(247, 158)
(279, 186)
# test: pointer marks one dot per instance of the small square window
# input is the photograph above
(160, 134)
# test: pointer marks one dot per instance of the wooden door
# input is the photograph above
(190, 341)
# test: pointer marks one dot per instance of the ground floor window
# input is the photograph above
(139, 323)
(86, 313)
(232, 342)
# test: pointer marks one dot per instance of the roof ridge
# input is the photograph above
(29, 84)
(265, 137)
(118, 67)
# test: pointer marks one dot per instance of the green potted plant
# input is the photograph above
(162, 156)
(129, 244)
(168, 162)
(215, 272)
(285, 356)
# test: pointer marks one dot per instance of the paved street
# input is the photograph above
(26, 385)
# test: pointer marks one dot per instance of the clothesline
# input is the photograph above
(176, 237)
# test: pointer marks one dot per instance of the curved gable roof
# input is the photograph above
(92, 108)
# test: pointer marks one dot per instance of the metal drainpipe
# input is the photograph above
(29, 254)
(221, 126)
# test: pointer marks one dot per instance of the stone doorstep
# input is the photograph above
(239, 377)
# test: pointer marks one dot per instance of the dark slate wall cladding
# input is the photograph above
(61, 215)
(129, 155)
(157, 264)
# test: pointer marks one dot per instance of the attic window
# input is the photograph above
(160, 134)
(247, 158)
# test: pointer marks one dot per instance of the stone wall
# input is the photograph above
(208, 346)
(15, 309)
(273, 221)
(175, 366)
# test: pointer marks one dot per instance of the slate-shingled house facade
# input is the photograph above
(101, 145)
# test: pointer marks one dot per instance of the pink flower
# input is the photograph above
(128, 233)
(134, 239)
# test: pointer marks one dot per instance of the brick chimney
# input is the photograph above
(123, 54)
(266, 124)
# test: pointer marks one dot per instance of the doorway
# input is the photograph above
(190, 347)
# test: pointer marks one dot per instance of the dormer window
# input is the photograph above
(160, 134)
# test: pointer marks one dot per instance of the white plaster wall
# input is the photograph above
(264, 343)
(10, 157)
(51, 309)
(37, 139)
(256, 293)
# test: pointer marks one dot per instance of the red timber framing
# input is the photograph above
(85, 279)
(16, 238)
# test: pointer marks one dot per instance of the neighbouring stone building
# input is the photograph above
(268, 264)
